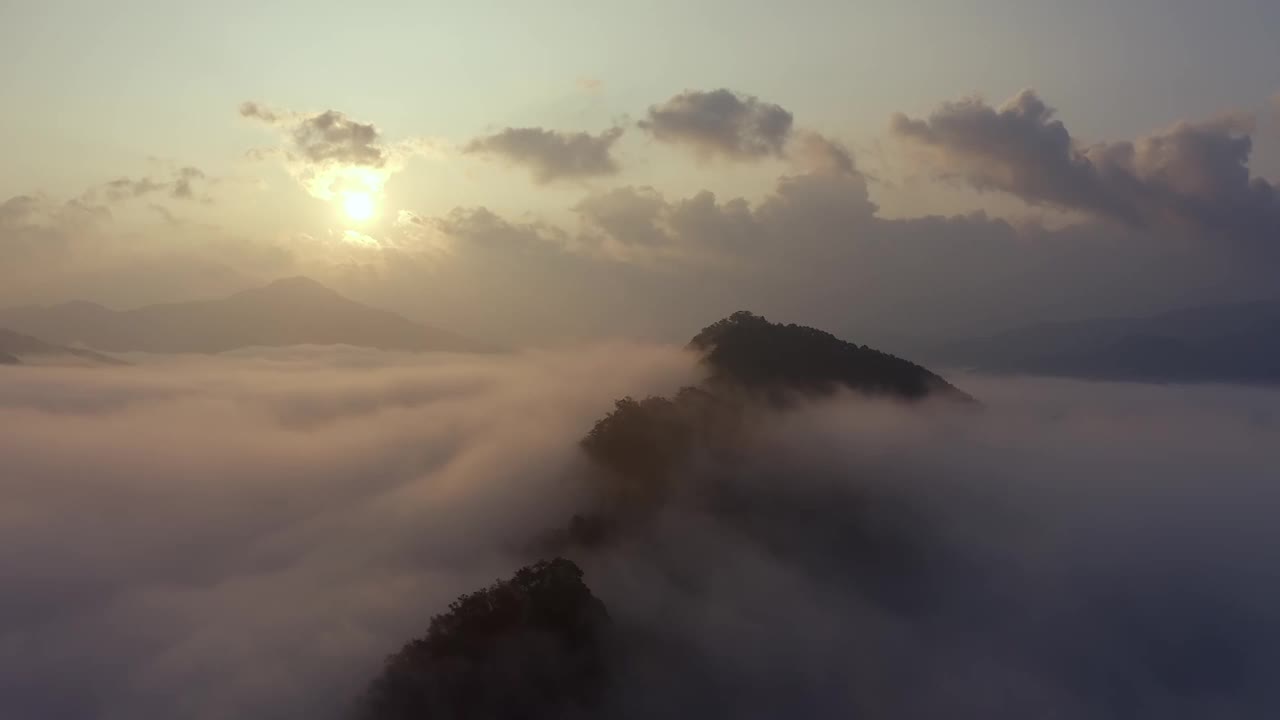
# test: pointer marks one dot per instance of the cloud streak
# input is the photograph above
(181, 185)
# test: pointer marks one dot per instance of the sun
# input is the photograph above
(358, 205)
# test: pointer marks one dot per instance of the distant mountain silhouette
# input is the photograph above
(1219, 343)
(748, 351)
(293, 311)
(19, 349)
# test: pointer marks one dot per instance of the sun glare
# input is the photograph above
(358, 205)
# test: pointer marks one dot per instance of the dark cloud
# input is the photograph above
(332, 136)
(1193, 174)
(326, 137)
(721, 122)
(628, 216)
(553, 155)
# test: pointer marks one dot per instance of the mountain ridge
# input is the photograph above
(289, 311)
(16, 348)
(1231, 342)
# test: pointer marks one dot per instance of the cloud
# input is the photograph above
(465, 229)
(259, 531)
(721, 123)
(815, 248)
(863, 559)
(258, 111)
(818, 153)
(249, 536)
(37, 233)
(180, 185)
(88, 247)
(551, 154)
(639, 223)
(324, 137)
(629, 216)
(830, 200)
(635, 258)
(331, 154)
(1195, 175)
(186, 176)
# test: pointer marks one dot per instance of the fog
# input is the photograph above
(250, 535)
(1075, 550)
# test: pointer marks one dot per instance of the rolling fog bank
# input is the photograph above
(249, 536)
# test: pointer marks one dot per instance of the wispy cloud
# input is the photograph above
(182, 184)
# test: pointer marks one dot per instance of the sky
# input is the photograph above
(523, 167)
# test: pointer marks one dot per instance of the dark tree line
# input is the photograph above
(751, 364)
(748, 351)
(529, 648)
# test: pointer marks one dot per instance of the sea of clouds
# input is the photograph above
(250, 535)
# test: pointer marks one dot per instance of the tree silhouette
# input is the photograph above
(535, 646)
(748, 351)
(639, 445)
(639, 442)
(753, 363)
(526, 648)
